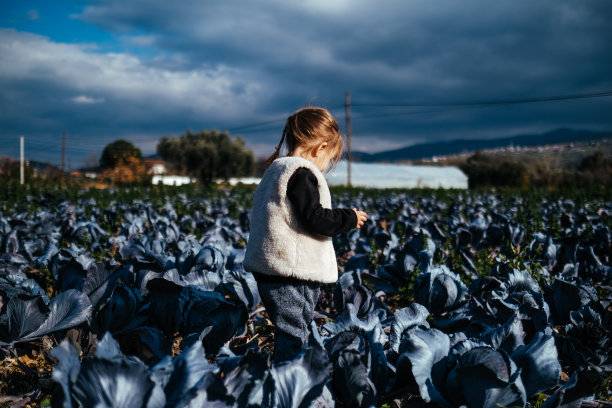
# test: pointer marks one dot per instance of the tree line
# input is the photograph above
(207, 155)
(212, 155)
(483, 170)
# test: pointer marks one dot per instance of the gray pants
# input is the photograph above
(290, 306)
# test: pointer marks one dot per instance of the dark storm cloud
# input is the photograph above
(461, 40)
(233, 63)
(417, 51)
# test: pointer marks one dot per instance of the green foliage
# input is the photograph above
(43, 277)
(603, 391)
(207, 155)
(10, 169)
(119, 150)
(596, 162)
(483, 170)
(538, 400)
(490, 170)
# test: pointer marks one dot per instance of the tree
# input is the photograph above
(11, 169)
(127, 171)
(208, 155)
(483, 170)
(597, 162)
(119, 150)
(122, 163)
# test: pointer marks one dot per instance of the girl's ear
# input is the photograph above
(321, 149)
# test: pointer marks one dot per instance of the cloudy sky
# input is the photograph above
(143, 69)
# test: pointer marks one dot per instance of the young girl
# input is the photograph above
(290, 249)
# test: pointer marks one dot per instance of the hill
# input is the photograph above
(458, 146)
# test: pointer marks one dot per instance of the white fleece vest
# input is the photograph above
(277, 244)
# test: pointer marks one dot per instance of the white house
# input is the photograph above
(156, 166)
(172, 180)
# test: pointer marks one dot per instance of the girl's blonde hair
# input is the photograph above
(309, 127)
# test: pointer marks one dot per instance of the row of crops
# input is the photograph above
(139, 299)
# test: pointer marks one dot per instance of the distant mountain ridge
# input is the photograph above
(458, 146)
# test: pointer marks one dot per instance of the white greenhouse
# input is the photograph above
(379, 175)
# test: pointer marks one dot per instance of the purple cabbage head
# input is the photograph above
(440, 290)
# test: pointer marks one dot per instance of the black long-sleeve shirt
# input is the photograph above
(303, 193)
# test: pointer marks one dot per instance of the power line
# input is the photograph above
(489, 102)
(89, 147)
(84, 145)
(419, 112)
(53, 146)
(269, 122)
(247, 128)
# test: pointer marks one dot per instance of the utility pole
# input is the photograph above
(349, 153)
(21, 175)
(63, 152)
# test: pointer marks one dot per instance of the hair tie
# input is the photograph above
(277, 147)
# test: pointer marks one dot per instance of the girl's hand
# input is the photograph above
(361, 217)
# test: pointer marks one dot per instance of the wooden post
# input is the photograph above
(21, 173)
(63, 152)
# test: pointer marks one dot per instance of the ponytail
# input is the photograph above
(277, 148)
(272, 157)
(308, 128)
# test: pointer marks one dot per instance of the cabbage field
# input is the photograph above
(138, 298)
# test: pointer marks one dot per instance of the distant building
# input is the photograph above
(242, 180)
(90, 172)
(156, 166)
(172, 180)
